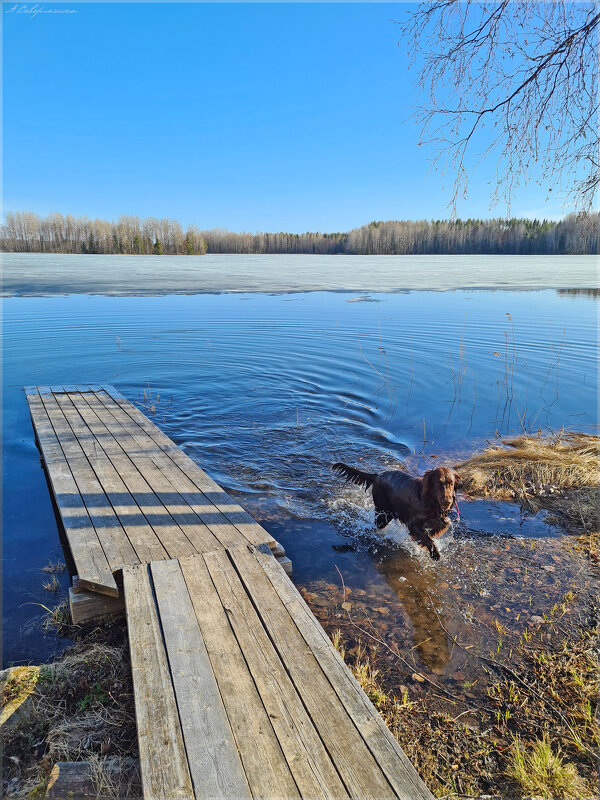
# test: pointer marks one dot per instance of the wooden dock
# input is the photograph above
(238, 691)
(126, 494)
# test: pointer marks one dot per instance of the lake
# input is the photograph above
(268, 385)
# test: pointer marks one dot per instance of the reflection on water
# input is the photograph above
(420, 594)
(593, 294)
(266, 392)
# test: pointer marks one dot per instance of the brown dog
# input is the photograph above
(422, 504)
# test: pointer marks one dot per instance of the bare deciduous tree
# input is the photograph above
(517, 78)
(24, 231)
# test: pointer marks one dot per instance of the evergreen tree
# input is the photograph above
(158, 248)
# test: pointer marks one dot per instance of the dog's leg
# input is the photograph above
(422, 537)
(433, 551)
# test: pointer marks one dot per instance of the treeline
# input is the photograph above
(24, 231)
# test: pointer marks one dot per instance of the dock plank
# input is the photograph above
(81, 535)
(238, 691)
(380, 740)
(306, 755)
(266, 770)
(169, 483)
(234, 513)
(140, 536)
(114, 541)
(215, 766)
(139, 501)
(347, 748)
(163, 760)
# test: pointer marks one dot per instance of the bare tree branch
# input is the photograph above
(516, 79)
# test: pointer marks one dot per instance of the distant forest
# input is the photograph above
(26, 232)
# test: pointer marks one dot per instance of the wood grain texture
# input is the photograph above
(136, 531)
(234, 513)
(354, 761)
(305, 753)
(163, 761)
(197, 517)
(380, 740)
(120, 445)
(265, 766)
(213, 758)
(142, 504)
(91, 561)
(86, 465)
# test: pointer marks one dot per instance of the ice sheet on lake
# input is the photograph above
(30, 274)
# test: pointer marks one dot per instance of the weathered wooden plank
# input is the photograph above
(306, 755)
(380, 740)
(234, 513)
(92, 564)
(161, 478)
(264, 763)
(214, 762)
(223, 530)
(139, 507)
(163, 762)
(355, 762)
(188, 534)
(139, 542)
(112, 537)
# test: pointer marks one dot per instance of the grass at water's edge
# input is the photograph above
(559, 472)
(80, 708)
(536, 734)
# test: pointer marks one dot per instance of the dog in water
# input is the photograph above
(422, 504)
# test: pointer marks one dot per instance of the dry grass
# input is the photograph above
(520, 467)
(54, 567)
(81, 709)
(115, 784)
(558, 472)
(536, 726)
(52, 585)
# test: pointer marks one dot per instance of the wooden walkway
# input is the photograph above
(125, 492)
(239, 692)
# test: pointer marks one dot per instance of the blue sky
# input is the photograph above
(248, 117)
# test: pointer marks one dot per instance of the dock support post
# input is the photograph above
(86, 606)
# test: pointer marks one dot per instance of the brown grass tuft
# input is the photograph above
(81, 709)
(558, 472)
(520, 466)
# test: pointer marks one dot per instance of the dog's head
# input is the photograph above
(439, 488)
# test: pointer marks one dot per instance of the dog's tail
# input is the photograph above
(353, 475)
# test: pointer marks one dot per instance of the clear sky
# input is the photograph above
(249, 117)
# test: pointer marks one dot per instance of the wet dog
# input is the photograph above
(422, 504)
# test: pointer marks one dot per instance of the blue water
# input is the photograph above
(267, 391)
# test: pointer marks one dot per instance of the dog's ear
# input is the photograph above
(427, 487)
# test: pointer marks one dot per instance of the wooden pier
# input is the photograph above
(238, 691)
